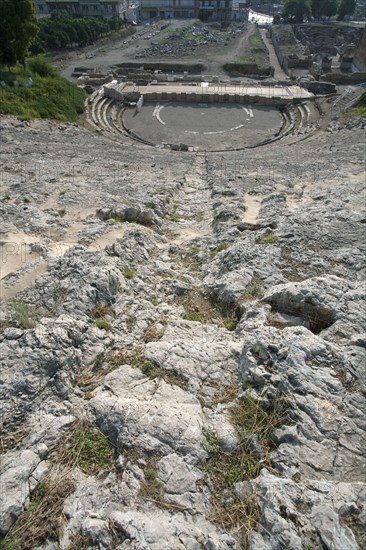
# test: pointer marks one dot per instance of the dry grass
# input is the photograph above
(84, 447)
(250, 420)
(24, 314)
(91, 377)
(226, 394)
(5, 324)
(87, 448)
(238, 516)
(79, 542)
(203, 308)
(100, 311)
(9, 441)
(44, 518)
(155, 331)
(135, 358)
(151, 488)
(255, 290)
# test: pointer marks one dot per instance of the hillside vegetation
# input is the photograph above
(61, 30)
(49, 96)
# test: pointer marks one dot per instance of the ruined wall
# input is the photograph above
(326, 39)
(360, 54)
(289, 50)
(239, 69)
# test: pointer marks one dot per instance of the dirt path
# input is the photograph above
(279, 74)
(105, 56)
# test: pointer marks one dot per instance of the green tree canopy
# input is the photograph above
(18, 27)
(297, 10)
(346, 7)
(326, 8)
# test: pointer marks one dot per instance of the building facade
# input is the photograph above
(122, 9)
(215, 10)
(169, 9)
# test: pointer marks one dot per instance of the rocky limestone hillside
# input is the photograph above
(182, 343)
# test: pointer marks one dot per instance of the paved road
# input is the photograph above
(279, 73)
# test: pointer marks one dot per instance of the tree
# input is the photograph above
(18, 27)
(328, 7)
(346, 7)
(297, 10)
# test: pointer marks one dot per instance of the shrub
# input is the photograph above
(50, 96)
(38, 65)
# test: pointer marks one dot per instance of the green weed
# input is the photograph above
(151, 488)
(136, 359)
(255, 290)
(219, 248)
(193, 316)
(270, 238)
(250, 419)
(103, 324)
(87, 448)
(24, 314)
(128, 272)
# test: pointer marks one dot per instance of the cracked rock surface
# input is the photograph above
(148, 293)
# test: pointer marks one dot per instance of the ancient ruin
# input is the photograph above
(182, 321)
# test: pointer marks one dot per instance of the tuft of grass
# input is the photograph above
(100, 311)
(193, 316)
(128, 272)
(9, 441)
(87, 448)
(250, 420)
(270, 238)
(219, 248)
(117, 219)
(174, 216)
(24, 314)
(225, 394)
(99, 360)
(212, 442)
(43, 520)
(103, 324)
(50, 96)
(255, 290)
(136, 359)
(229, 323)
(151, 488)
(360, 111)
(203, 308)
(154, 332)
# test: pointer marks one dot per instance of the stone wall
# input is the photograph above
(288, 49)
(240, 69)
(360, 53)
